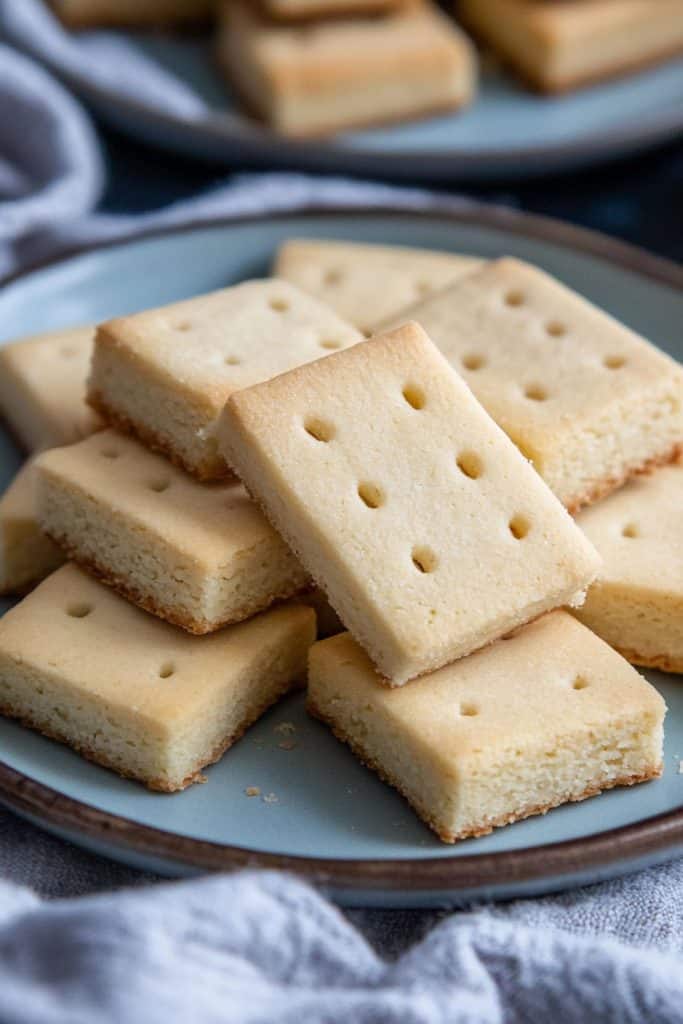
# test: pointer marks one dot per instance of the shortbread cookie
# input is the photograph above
(300, 10)
(558, 46)
(428, 530)
(132, 693)
(26, 554)
(347, 72)
(547, 716)
(196, 555)
(165, 374)
(42, 388)
(366, 284)
(585, 398)
(94, 13)
(637, 604)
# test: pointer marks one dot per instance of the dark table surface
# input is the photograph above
(639, 200)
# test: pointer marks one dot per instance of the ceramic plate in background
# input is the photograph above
(331, 819)
(509, 132)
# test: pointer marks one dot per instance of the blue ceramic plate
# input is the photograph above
(329, 817)
(508, 132)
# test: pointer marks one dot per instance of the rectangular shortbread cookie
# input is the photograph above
(132, 693)
(93, 13)
(346, 72)
(637, 604)
(585, 398)
(166, 374)
(558, 46)
(199, 556)
(547, 716)
(26, 554)
(366, 284)
(42, 388)
(426, 527)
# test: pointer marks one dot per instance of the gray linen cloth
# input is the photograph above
(258, 947)
(262, 947)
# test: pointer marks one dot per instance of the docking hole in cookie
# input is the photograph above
(159, 486)
(468, 710)
(555, 329)
(514, 298)
(579, 683)
(414, 396)
(470, 464)
(536, 393)
(614, 362)
(279, 305)
(319, 429)
(370, 495)
(519, 527)
(79, 610)
(166, 670)
(424, 559)
(473, 361)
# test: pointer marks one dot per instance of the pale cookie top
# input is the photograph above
(218, 343)
(211, 523)
(384, 460)
(94, 640)
(542, 360)
(307, 58)
(639, 532)
(575, 21)
(551, 679)
(53, 368)
(366, 284)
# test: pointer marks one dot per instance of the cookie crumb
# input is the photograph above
(270, 798)
(285, 728)
(252, 791)
(288, 744)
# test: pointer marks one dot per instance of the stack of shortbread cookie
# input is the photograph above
(560, 46)
(316, 66)
(422, 478)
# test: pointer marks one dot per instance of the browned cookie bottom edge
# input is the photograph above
(159, 784)
(603, 488)
(209, 471)
(485, 828)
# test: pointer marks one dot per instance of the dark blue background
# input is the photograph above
(639, 200)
